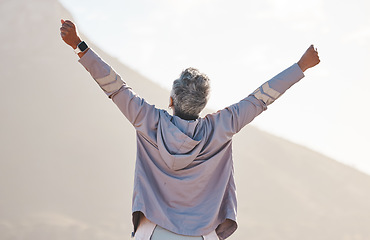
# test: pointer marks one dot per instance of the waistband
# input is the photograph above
(148, 230)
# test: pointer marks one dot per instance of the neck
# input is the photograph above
(186, 116)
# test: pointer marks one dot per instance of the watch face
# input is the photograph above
(82, 46)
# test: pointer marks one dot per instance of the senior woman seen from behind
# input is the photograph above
(184, 181)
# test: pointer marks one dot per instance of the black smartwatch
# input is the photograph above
(82, 46)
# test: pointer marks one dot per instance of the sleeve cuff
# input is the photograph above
(284, 80)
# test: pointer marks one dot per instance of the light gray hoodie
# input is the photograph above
(184, 177)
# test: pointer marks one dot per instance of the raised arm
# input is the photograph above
(143, 116)
(70, 36)
(236, 116)
(274, 88)
(309, 59)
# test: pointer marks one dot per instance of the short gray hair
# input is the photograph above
(190, 93)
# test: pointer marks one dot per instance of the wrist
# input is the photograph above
(75, 43)
(302, 66)
(81, 54)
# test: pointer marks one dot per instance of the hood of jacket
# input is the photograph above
(179, 141)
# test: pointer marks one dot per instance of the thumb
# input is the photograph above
(62, 21)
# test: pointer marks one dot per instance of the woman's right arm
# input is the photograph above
(143, 116)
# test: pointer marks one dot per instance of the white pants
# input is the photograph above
(150, 231)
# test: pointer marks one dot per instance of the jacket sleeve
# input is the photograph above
(143, 116)
(235, 117)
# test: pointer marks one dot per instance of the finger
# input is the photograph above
(62, 21)
(64, 29)
(69, 24)
(65, 32)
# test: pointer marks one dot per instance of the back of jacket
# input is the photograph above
(184, 178)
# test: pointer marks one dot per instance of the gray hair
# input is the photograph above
(190, 93)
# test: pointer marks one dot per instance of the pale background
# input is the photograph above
(241, 44)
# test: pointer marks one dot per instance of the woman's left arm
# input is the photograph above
(236, 116)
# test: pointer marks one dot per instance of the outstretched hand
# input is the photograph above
(69, 34)
(309, 59)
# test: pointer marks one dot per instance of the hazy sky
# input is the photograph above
(242, 44)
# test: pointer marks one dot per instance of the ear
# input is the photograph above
(170, 102)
